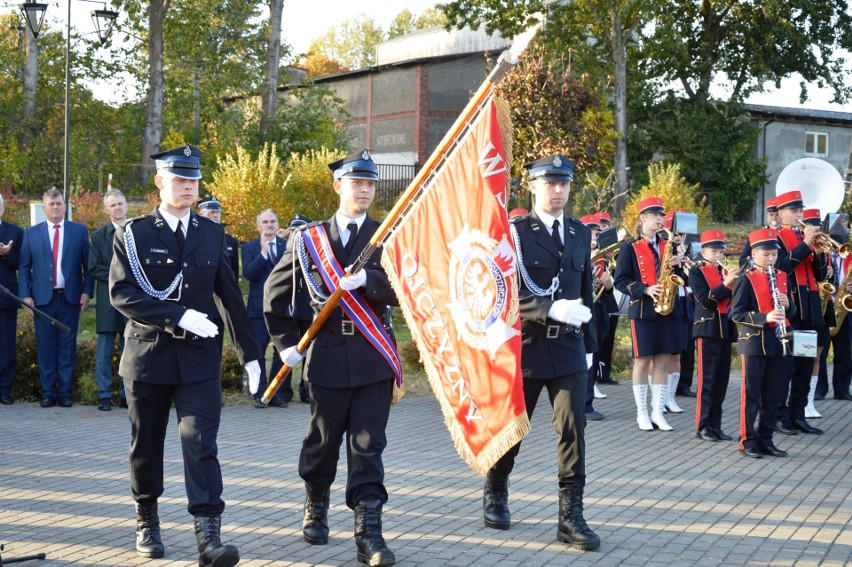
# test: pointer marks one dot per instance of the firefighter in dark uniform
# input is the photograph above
(211, 208)
(711, 285)
(167, 268)
(760, 306)
(350, 383)
(559, 341)
(806, 266)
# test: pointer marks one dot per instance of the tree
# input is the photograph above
(406, 22)
(352, 44)
(273, 59)
(319, 66)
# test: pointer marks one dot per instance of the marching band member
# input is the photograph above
(758, 307)
(711, 287)
(558, 339)
(677, 381)
(805, 265)
(773, 221)
(607, 344)
(841, 339)
(602, 283)
(655, 336)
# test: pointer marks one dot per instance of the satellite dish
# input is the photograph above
(819, 181)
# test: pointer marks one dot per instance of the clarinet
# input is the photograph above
(780, 328)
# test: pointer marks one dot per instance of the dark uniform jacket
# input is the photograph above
(156, 350)
(709, 321)
(232, 251)
(808, 307)
(9, 262)
(552, 349)
(628, 280)
(107, 318)
(334, 360)
(755, 338)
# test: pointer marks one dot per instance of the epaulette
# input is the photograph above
(127, 222)
(518, 218)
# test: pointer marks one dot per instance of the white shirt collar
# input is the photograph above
(343, 221)
(548, 220)
(61, 223)
(115, 226)
(173, 221)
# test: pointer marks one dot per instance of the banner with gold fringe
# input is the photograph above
(453, 267)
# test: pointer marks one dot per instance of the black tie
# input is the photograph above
(181, 239)
(272, 257)
(557, 240)
(353, 234)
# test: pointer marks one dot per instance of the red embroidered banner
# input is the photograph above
(453, 267)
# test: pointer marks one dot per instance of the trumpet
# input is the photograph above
(827, 244)
(726, 270)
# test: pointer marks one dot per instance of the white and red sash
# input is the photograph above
(356, 308)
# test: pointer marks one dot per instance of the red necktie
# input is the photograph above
(55, 251)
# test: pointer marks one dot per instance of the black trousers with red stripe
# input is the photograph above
(763, 380)
(714, 369)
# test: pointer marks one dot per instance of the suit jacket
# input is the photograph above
(256, 270)
(543, 358)
(9, 262)
(709, 321)
(107, 318)
(35, 276)
(334, 360)
(156, 350)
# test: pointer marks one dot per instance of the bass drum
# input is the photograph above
(622, 300)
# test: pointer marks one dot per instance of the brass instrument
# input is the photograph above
(727, 270)
(610, 255)
(827, 244)
(826, 290)
(842, 303)
(664, 303)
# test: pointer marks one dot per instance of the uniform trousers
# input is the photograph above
(261, 337)
(763, 377)
(103, 364)
(57, 350)
(361, 413)
(714, 369)
(198, 406)
(567, 397)
(607, 345)
(842, 374)
(8, 349)
(687, 361)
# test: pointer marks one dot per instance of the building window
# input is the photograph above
(816, 144)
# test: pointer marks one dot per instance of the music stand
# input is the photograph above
(19, 559)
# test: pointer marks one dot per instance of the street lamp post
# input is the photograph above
(104, 20)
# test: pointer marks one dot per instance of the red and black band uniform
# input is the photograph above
(764, 367)
(553, 354)
(601, 316)
(349, 383)
(714, 333)
(638, 268)
(805, 270)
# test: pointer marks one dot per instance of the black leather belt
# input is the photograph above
(549, 331)
(58, 291)
(348, 328)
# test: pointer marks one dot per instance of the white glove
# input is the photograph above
(356, 280)
(253, 369)
(197, 323)
(292, 357)
(570, 311)
(590, 358)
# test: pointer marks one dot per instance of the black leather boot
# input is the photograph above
(211, 552)
(148, 542)
(573, 529)
(372, 549)
(315, 522)
(495, 501)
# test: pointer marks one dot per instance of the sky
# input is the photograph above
(304, 20)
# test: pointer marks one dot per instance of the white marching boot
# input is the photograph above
(810, 410)
(598, 394)
(640, 393)
(670, 403)
(658, 393)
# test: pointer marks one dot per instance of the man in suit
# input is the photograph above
(351, 364)
(167, 268)
(54, 276)
(10, 252)
(259, 257)
(559, 342)
(109, 323)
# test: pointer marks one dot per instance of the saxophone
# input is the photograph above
(842, 303)
(664, 304)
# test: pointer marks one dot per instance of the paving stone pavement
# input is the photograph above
(655, 498)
